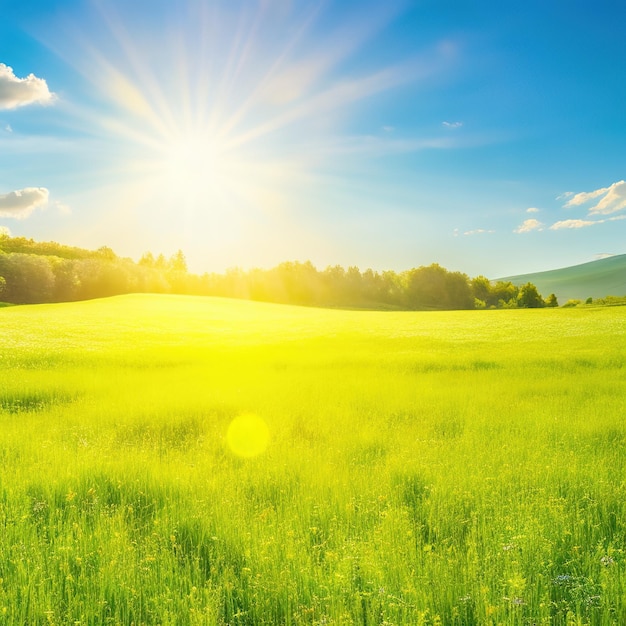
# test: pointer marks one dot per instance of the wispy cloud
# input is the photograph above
(613, 199)
(574, 224)
(452, 124)
(21, 203)
(583, 197)
(529, 225)
(563, 224)
(16, 92)
(479, 231)
(532, 209)
(566, 195)
(62, 208)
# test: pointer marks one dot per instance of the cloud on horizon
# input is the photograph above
(16, 92)
(613, 199)
(529, 225)
(479, 231)
(573, 224)
(21, 203)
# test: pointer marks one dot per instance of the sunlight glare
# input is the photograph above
(191, 161)
(248, 435)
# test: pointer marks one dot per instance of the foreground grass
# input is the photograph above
(423, 468)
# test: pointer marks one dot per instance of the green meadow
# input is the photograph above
(392, 467)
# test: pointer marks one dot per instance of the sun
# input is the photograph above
(221, 130)
(191, 160)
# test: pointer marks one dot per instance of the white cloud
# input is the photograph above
(604, 255)
(532, 209)
(529, 225)
(452, 124)
(583, 197)
(573, 224)
(479, 231)
(564, 196)
(21, 203)
(16, 92)
(613, 199)
(8, 129)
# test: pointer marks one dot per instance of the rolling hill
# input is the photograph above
(596, 279)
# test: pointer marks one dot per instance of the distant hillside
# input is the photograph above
(596, 279)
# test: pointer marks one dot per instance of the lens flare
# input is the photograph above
(248, 435)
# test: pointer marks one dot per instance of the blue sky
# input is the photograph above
(487, 137)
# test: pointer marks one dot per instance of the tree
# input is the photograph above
(551, 301)
(3, 284)
(458, 291)
(147, 260)
(529, 298)
(178, 263)
(425, 287)
(29, 278)
(503, 291)
(106, 253)
(481, 288)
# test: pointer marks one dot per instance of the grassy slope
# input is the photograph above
(465, 467)
(597, 279)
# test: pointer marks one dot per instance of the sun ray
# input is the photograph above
(232, 115)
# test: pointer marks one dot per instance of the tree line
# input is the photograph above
(33, 272)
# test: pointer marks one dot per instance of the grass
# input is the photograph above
(422, 468)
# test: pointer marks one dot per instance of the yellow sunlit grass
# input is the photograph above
(411, 468)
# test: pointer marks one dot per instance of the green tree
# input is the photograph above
(503, 291)
(551, 301)
(481, 288)
(29, 278)
(425, 287)
(529, 298)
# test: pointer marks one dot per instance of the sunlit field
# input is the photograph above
(182, 460)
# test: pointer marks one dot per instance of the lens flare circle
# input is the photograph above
(248, 435)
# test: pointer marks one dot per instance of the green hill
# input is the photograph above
(596, 279)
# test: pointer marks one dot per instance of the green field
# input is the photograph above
(422, 468)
